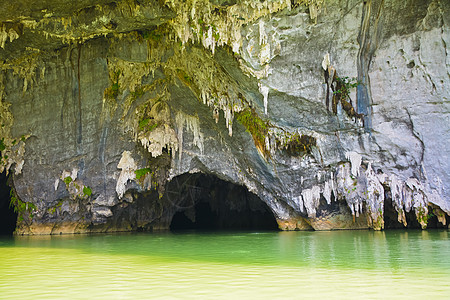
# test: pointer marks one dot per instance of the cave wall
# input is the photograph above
(102, 106)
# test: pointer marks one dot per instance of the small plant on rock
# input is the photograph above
(341, 93)
(344, 85)
(21, 207)
(87, 191)
(67, 181)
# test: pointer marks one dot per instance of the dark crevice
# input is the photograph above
(8, 217)
(204, 202)
(391, 218)
(433, 222)
(76, 93)
(80, 120)
(368, 39)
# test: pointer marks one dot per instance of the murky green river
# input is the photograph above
(236, 265)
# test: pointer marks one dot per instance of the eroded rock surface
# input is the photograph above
(326, 110)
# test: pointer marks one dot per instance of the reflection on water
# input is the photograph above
(337, 264)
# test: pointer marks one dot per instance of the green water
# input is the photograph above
(238, 265)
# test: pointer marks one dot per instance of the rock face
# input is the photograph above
(334, 113)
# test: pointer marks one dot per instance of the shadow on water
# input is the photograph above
(395, 249)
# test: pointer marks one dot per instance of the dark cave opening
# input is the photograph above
(204, 202)
(391, 215)
(8, 217)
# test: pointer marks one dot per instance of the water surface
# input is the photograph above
(233, 265)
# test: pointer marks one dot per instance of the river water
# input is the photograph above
(228, 265)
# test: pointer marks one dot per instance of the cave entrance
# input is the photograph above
(204, 202)
(391, 216)
(8, 217)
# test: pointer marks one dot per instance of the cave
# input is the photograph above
(391, 215)
(206, 203)
(8, 217)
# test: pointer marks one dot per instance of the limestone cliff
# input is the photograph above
(334, 113)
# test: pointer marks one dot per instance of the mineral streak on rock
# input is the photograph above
(334, 113)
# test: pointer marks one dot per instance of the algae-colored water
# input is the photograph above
(228, 265)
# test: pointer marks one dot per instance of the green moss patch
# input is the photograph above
(87, 191)
(147, 124)
(23, 209)
(256, 126)
(299, 145)
(141, 173)
(2, 144)
(113, 91)
(68, 180)
(293, 143)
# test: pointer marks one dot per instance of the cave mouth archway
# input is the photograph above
(391, 217)
(8, 218)
(207, 203)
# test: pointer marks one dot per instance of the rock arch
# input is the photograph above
(205, 202)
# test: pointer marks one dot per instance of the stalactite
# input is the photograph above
(192, 125)
(7, 34)
(158, 139)
(355, 160)
(311, 199)
(264, 90)
(128, 166)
